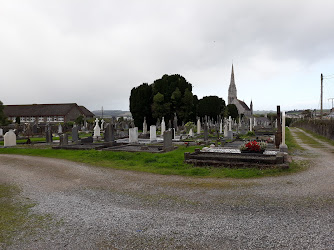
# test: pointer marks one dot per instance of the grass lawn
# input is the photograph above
(171, 163)
(291, 142)
(319, 137)
(16, 220)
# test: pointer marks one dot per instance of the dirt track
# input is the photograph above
(106, 208)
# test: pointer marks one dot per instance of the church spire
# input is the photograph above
(232, 90)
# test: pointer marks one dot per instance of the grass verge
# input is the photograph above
(319, 137)
(308, 140)
(291, 142)
(16, 219)
(171, 163)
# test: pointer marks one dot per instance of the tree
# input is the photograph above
(212, 106)
(3, 118)
(140, 104)
(232, 111)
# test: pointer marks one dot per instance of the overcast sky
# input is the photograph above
(94, 52)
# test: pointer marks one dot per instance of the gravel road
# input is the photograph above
(101, 208)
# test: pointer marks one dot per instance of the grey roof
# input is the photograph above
(244, 105)
(36, 110)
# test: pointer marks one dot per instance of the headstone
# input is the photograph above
(168, 144)
(278, 137)
(133, 135)
(229, 123)
(48, 135)
(1, 132)
(153, 133)
(163, 126)
(10, 139)
(60, 129)
(206, 133)
(225, 127)
(173, 132)
(221, 127)
(144, 126)
(97, 130)
(229, 135)
(255, 123)
(109, 133)
(251, 124)
(87, 140)
(175, 122)
(198, 126)
(63, 139)
(75, 134)
(34, 129)
(102, 124)
(191, 133)
(283, 147)
(169, 124)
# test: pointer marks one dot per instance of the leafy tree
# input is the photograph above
(79, 120)
(233, 111)
(3, 118)
(18, 120)
(140, 104)
(212, 106)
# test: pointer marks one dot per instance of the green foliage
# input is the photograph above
(250, 133)
(232, 111)
(291, 142)
(212, 106)
(141, 99)
(3, 118)
(79, 120)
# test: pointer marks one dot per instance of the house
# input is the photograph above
(46, 113)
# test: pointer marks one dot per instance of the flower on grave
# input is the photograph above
(253, 146)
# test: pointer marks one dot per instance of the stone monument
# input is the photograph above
(10, 139)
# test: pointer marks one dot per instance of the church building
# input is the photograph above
(232, 99)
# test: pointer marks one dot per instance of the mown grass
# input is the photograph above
(291, 142)
(16, 219)
(319, 137)
(171, 163)
(308, 140)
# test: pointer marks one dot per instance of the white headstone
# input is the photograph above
(221, 127)
(133, 135)
(283, 147)
(229, 123)
(225, 128)
(163, 126)
(97, 130)
(198, 126)
(276, 124)
(153, 133)
(144, 127)
(255, 123)
(10, 139)
(60, 129)
(1, 132)
(191, 133)
(251, 124)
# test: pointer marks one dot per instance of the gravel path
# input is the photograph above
(103, 208)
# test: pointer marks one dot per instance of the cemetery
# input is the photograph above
(223, 143)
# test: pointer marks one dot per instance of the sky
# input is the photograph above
(93, 52)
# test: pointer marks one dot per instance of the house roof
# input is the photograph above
(244, 105)
(86, 112)
(41, 109)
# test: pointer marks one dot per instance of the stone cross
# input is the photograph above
(221, 127)
(250, 124)
(229, 123)
(102, 124)
(10, 139)
(283, 147)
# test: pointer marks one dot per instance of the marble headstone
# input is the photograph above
(163, 126)
(133, 135)
(10, 139)
(153, 133)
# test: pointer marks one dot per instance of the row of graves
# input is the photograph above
(224, 140)
(264, 148)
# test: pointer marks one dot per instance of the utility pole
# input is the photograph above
(322, 78)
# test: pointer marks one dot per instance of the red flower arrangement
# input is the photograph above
(253, 146)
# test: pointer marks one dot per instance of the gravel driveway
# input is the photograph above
(101, 208)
